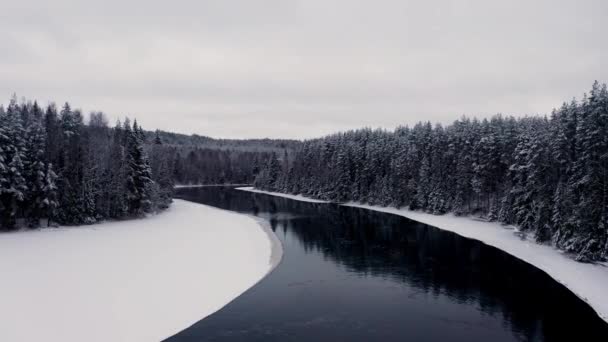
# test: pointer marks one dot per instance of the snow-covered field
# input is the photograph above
(138, 280)
(587, 281)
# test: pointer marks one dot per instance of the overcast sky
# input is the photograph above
(301, 68)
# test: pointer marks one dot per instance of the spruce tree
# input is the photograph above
(116, 193)
(4, 141)
(15, 187)
(49, 203)
(139, 174)
(36, 171)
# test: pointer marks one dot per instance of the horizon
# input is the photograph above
(113, 119)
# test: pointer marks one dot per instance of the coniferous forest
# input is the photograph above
(546, 175)
(55, 168)
(204, 160)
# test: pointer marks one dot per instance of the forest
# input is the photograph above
(548, 176)
(246, 145)
(57, 169)
(205, 160)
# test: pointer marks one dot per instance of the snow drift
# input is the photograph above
(138, 280)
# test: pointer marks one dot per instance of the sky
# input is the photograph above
(301, 68)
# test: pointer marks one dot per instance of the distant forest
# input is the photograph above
(57, 169)
(546, 175)
(204, 160)
(247, 145)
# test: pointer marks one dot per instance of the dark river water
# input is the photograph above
(351, 274)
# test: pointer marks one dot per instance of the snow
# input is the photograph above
(137, 280)
(587, 281)
(181, 186)
(278, 194)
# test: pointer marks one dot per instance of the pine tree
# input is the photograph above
(74, 187)
(139, 174)
(36, 171)
(559, 214)
(562, 143)
(53, 135)
(116, 193)
(487, 167)
(14, 188)
(269, 174)
(162, 174)
(342, 184)
(400, 169)
(530, 193)
(4, 141)
(49, 204)
(157, 138)
(462, 148)
(588, 179)
(423, 186)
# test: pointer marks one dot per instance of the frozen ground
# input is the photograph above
(130, 281)
(587, 281)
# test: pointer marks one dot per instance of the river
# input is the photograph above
(351, 274)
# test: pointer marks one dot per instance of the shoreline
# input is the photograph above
(182, 186)
(278, 194)
(135, 280)
(586, 281)
(276, 247)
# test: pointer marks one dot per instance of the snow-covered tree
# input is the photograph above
(36, 170)
(139, 173)
(14, 187)
(54, 166)
(548, 176)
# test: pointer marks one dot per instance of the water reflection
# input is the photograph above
(357, 275)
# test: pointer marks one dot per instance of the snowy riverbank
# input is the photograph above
(181, 186)
(278, 194)
(587, 281)
(138, 280)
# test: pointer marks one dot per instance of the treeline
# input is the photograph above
(57, 168)
(547, 175)
(205, 160)
(240, 145)
(54, 168)
(216, 166)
